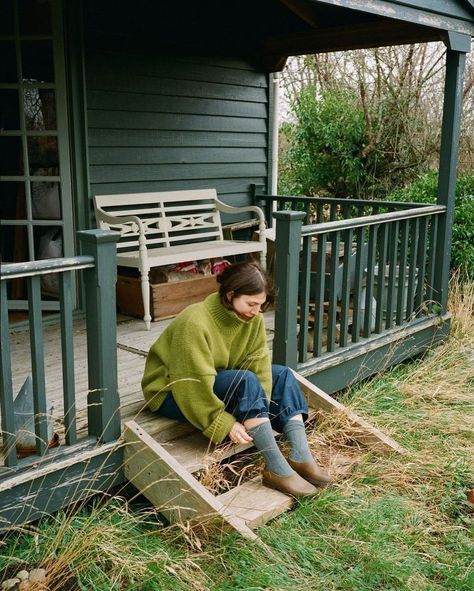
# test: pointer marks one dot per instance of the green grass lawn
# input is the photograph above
(388, 523)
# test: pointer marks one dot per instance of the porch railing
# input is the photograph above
(98, 268)
(351, 278)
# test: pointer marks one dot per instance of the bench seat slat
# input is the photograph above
(195, 251)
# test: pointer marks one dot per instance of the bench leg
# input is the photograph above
(145, 285)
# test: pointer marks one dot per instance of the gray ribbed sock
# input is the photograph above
(295, 433)
(264, 441)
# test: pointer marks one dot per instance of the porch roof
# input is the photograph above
(268, 31)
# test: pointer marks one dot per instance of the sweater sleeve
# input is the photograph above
(258, 360)
(192, 375)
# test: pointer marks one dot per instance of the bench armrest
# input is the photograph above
(221, 206)
(120, 219)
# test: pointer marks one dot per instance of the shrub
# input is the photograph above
(325, 150)
(424, 190)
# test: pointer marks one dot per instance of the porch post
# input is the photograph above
(458, 46)
(288, 246)
(103, 402)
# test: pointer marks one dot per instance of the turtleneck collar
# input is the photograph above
(227, 320)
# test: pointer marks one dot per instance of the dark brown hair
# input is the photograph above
(245, 279)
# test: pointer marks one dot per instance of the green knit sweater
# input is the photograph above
(204, 338)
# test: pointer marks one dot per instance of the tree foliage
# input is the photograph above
(364, 123)
(424, 190)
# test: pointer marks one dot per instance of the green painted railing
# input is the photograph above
(324, 209)
(351, 278)
(98, 268)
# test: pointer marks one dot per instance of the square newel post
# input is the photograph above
(103, 402)
(287, 263)
(458, 45)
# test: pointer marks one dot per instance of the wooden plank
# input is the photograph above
(254, 503)
(169, 486)
(157, 103)
(106, 119)
(6, 398)
(168, 172)
(206, 90)
(37, 362)
(67, 348)
(364, 432)
(194, 451)
(191, 138)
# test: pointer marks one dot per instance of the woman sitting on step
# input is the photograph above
(211, 367)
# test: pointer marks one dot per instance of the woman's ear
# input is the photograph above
(229, 296)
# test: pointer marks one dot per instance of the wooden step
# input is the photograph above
(194, 451)
(254, 503)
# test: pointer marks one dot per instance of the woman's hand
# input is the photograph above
(238, 434)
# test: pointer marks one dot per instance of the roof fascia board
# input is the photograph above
(405, 13)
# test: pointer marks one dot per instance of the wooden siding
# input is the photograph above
(159, 123)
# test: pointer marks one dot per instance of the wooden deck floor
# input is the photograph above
(133, 343)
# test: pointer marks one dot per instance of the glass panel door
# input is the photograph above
(35, 189)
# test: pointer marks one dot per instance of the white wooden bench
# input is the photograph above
(166, 228)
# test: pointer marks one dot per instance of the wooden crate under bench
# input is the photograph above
(166, 299)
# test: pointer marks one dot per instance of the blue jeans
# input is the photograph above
(244, 397)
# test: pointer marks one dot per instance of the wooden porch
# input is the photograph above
(133, 342)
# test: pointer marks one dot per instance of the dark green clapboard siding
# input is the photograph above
(114, 155)
(133, 120)
(195, 70)
(128, 81)
(154, 103)
(173, 123)
(149, 138)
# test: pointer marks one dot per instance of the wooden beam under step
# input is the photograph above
(170, 487)
(254, 503)
(363, 431)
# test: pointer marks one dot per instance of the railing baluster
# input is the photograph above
(357, 284)
(381, 277)
(421, 264)
(402, 269)
(346, 275)
(305, 276)
(37, 364)
(430, 271)
(332, 311)
(332, 212)
(319, 213)
(369, 286)
(392, 273)
(6, 397)
(412, 272)
(67, 348)
(319, 294)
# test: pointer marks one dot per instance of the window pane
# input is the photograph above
(12, 200)
(43, 156)
(40, 109)
(35, 17)
(14, 244)
(48, 245)
(9, 110)
(11, 156)
(46, 201)
(37, 61)
(8, 62)
(7, 19)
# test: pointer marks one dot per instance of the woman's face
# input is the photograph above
(247, 306)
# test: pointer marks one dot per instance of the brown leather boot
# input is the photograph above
(292, 485)
(311, 472)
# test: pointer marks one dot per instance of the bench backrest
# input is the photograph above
(171, 217)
